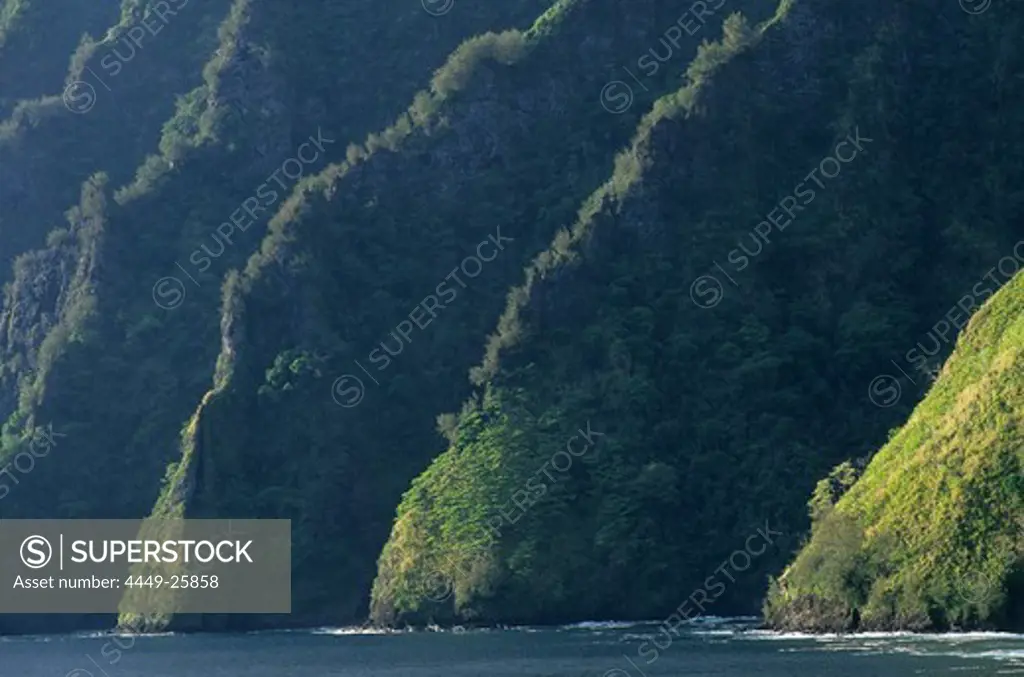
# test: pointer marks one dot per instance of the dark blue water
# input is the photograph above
(715, 648)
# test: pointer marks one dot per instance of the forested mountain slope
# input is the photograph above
(251, 250)
(932, 536)
(106, 118)
(37, 38)
(486, 164)
(778, 233)
(87, 344)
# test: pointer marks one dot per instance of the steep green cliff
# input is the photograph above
(258, 104)
(105, 117)
(777, 233)
(90, 344)
(932, 535)
(480, 172)
(251, 250)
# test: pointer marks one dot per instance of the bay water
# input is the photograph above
(711, 647)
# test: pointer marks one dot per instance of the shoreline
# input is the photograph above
(733, 626)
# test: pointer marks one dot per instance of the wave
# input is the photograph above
(770, 635)
(605, 625)
(86, 635)
(344, 631)
(1004, 647)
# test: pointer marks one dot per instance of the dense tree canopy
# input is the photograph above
(527, 311)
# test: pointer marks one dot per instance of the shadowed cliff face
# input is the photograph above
(37, 38)
(718, 315)
(396, 263)
(105, 115)
(689, 261)
(86, 344)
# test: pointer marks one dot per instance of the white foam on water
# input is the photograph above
(345, 631)
(605, 625)
(1009, 647)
